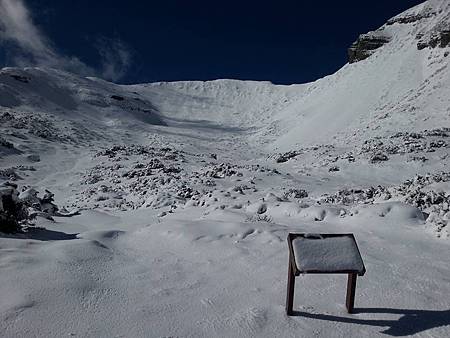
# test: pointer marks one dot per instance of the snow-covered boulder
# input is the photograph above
(12, 211)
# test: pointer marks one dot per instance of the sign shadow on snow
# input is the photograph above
(411, 321)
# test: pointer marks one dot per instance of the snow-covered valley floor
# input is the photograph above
(194, 277)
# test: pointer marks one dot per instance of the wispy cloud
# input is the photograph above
(115, 58)
(28, 45)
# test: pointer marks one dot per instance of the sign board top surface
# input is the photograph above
(316, 253)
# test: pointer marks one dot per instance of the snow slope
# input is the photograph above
(187, 191)
(398, 88)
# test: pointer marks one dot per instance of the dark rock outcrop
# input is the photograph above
(117, 97)
(20, 78)
(409, 18)
(364, 46)
(12, 211)
(5, 143)
(438, 39)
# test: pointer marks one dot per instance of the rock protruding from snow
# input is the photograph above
(437, 32)
(439, 38)
(13, 212)
(365, 45)
(5, 143)
(19, 209)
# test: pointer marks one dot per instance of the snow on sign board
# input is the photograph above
(327, 253)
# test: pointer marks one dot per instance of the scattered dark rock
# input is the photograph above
(155, 164)
(5, 143)
(351, 196)
(24, 168)
(9, 174)
(407, 143)
(262, 209)
(349, 157)
(438, 39)
(138, 173)
(380, 157)
(417, 192)
(417, 159)
(186, 192)
(117, 97)
(171, 170)
(20, 78)
(284, 157)
(409, 18)
(36, 124)
(440, 132)
(295, 193)
(33, 158)
(222, 170)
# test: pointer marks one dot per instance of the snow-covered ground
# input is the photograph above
(186, 192)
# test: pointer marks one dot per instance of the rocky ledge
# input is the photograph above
(439, 38)
(365, 45)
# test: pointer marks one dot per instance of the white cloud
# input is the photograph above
(115, 58)
(28, 46)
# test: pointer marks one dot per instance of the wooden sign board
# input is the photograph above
(323, 253)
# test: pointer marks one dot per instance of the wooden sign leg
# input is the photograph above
(290, 289)
(351, 288)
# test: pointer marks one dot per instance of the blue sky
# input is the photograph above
(145, 41)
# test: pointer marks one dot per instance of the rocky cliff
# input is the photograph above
(365, 45)
(429, 23)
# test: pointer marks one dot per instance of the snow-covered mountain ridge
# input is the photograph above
(398, 88)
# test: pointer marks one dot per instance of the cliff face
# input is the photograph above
(365, 45)
(428, 22)
(437, 36)
(439, 39)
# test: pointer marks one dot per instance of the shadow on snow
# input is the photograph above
(411, 321)
(41, 234)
